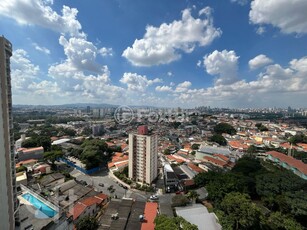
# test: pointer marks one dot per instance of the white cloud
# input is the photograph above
(164, 88)
(39, 12)
(259, 61)
(183, 87)
(137, 82)
(162, 45)
(41, 48)
(23, 71)
(106, 51)
(260, 30)
(224, 64)
(81, 55)
(169, 73)
(199, 63)
(288, 16)
(240, 2)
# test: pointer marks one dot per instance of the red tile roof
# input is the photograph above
(222, 157)
(290, 161)
(195, 168)
(237, 145)
(25, 162)
(302, 145)
(80, 206)
(33, 149)
(215, 161)
(150, 213)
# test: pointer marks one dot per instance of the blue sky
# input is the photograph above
(227, 53)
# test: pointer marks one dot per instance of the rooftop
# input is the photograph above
(299, 165)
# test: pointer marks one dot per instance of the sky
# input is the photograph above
(174, 53)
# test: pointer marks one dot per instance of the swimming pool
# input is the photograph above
(39, 205)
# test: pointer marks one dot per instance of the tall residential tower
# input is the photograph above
(143, 156)
(8, 198)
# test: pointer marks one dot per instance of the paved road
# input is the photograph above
(104, 178)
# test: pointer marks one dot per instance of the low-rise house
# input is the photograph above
(296, 166)
(30, 153)
(89, 206)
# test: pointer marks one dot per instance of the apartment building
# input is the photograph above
(143, 155)
(8, 196)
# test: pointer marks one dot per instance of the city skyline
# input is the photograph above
(233, 53)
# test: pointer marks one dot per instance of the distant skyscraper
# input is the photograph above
(143, 156)
(88, 109)
(8, 196)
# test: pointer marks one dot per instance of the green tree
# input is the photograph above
(218, 139)
(224, 128)
(179, 200)
(279, 221)
(240, 211)
(195, 146)
(52, 156)
(164, 222)
(167, 152)
(192, 195)
(298, 138)
(88, 223)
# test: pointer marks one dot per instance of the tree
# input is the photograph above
(218, 139)
(224, 128)
(88, 223)
(239, 210)
(179, 200)
(195, 146)
(280, 221)
(298, 138)
(276, 183)
(192, 195)
(52, 156)
(251, 149)
(167, 152)
(164, 222)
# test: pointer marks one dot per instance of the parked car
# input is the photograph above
(101, 184)
(154, 197)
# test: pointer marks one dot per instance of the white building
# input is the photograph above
(8, 198)
(143, 156)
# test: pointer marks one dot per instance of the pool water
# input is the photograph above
(39, 205)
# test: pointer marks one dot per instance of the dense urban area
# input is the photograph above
(216, 168)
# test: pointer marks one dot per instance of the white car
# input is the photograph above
(154, 197)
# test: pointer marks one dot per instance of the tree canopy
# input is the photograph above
(164, 222)
(224, 128)
(88, 223)
(218, 139)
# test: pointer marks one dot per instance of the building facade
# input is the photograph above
(143, 156)
(8, 195)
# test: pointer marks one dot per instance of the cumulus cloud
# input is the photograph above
(39, 12)
(163, 44)
(41, 48)
(224, 64)
(81, 55)
(288, 16)
(259, 61)
(164, 88)
(104, 51)
(137, 82)
(183, 87)
(24, 72)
